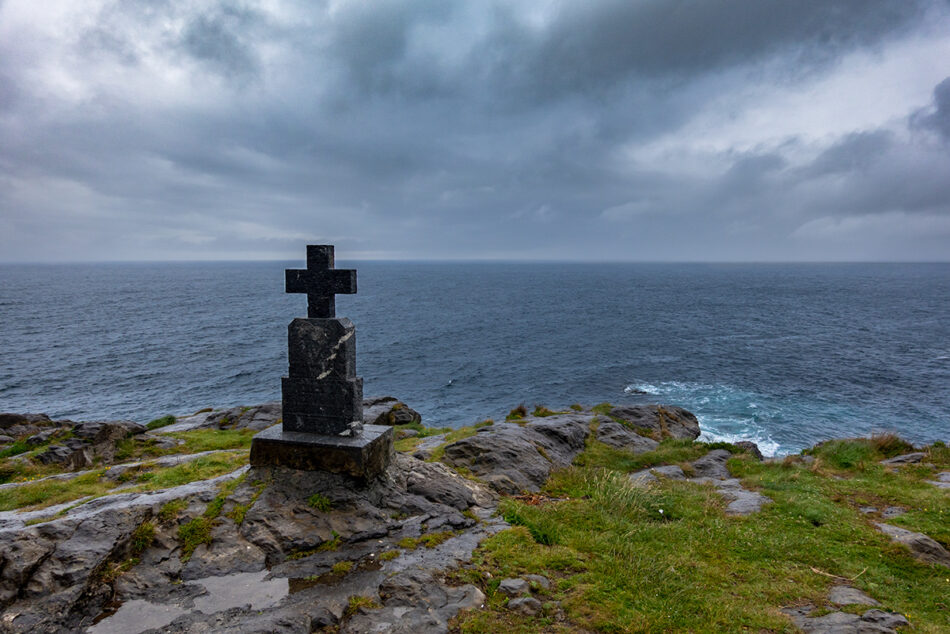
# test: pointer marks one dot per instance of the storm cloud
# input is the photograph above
(647, 130)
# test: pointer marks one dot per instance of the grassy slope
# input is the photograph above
(33, 495)
(621, 565)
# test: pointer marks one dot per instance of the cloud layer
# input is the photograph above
(692, 130)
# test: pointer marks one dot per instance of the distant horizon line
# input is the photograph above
(460, 261)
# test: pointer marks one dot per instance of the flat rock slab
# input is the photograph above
(921, 546)
(364, 456)
(871, 622)
(907, 458)
(713, 465)
(649, 476)
(846, 595)
(942, 481)
(619, 436)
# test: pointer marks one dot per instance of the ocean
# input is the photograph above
(781, 354)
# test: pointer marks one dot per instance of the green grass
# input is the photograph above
(15, 449)
(164, 421)
(35, 495)
(320, 502)
(170, 510)
(429, 540)
(198, 531)
(620, 565)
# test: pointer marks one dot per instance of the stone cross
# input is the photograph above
(322, 398)
(321, 282)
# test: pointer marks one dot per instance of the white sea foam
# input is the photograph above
(725, 413)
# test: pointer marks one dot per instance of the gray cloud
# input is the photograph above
(463, 129)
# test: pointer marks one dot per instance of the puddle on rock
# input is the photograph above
(224, 592)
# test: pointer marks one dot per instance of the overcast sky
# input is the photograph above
(590, 130)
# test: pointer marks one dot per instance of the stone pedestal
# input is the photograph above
(363, 457)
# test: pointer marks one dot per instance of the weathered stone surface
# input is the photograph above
(327, 406)
(514, 587)
(8, 420)
(907, 458)
(387, 410)
(663, 421)
(921, 546)
(713, 465)
(621, 437)
(513, 458)
(364, 456)
(91, 441)
(47, 571)
(846, 595)
(942, 481)
(542, 582)
(256, 417)
(427, 446)
(526, 606)
(751, 448)
(322, 348)
(648, 476)
(871, 622)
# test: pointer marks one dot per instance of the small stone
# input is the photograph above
(542, 582)
(846, 595)
(713, 465)
(527, 606)
(907, 458)
(514, 587)
(923, 547)
(672, 472)
(890, 620)
(892, 511)
(406, 433)
(867, 510)
(5, 439)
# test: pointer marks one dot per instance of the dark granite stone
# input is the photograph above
(320, 281)
(363, 457)
(321, 407)
(322, 348)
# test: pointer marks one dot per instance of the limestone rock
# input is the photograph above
(621, 437)
(846, 595)
(751, 448)
(8, 420)
(871, 622)
(387, 410)
(514, 587)
(663, 421)
(526, 606)
(541, 582)
(256, 417)
(713, 465)
(648, 476)
(513, 458)
(907, 458)
(921, 546)
(942, 481)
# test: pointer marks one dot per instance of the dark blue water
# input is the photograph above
(782, 354)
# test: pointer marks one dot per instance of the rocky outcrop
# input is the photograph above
(284, 552)
(256, 417)
(387, 410)
(622, 437)
(658, 421)
(516, 457)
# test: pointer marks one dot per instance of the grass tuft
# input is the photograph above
(158, 423)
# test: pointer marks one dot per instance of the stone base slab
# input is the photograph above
(363, 457)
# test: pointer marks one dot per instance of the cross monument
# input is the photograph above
(322, 398)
